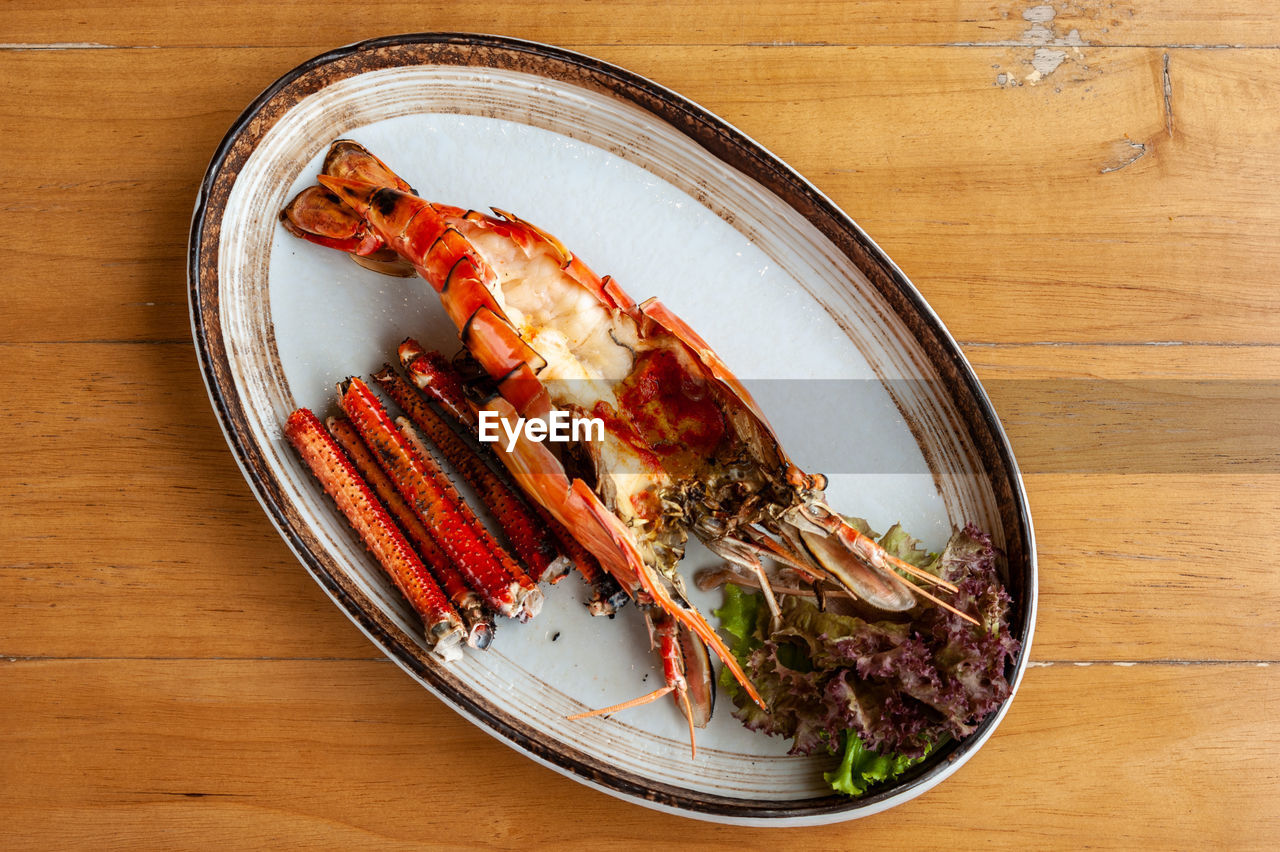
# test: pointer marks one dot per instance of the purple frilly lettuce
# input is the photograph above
(900, 687)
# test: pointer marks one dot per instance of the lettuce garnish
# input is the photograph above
(882, 693)
(861, 767)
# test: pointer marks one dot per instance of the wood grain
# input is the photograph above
(1177, 244)
(1084, 191)
(354, 753)
(712, 22)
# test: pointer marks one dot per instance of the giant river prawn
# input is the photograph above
(684, 448)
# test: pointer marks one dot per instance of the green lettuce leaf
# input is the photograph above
(740, 617)
(861, 767)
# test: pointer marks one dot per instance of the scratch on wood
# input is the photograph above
(74, 45)
(1043, 36)
(184, 795)
(1168, 98)
(1136, 152)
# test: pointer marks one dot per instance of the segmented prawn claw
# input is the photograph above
(862, 566)
(857, 562)
(686, 667)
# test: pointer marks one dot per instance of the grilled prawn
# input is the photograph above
(685, 448)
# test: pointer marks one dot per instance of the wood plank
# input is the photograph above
(110, 146)
(141, 509)
(1142, 461)
(328, 23)
(1127, 423)
(354, 753)
(1137, 409)
(128, 528)
(1000, 201)
(1163, 567)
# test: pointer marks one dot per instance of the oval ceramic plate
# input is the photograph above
(861, 376)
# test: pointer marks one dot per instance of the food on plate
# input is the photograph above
(684, 449)
(444, 630)
(488, 567)
(466, 601)
(439, 382)
(531, 539)
(883, 690)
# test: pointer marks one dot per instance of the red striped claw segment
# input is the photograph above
(418, 481)
(443, 629)
(465, 600)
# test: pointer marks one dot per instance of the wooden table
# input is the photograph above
(1085, 192)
